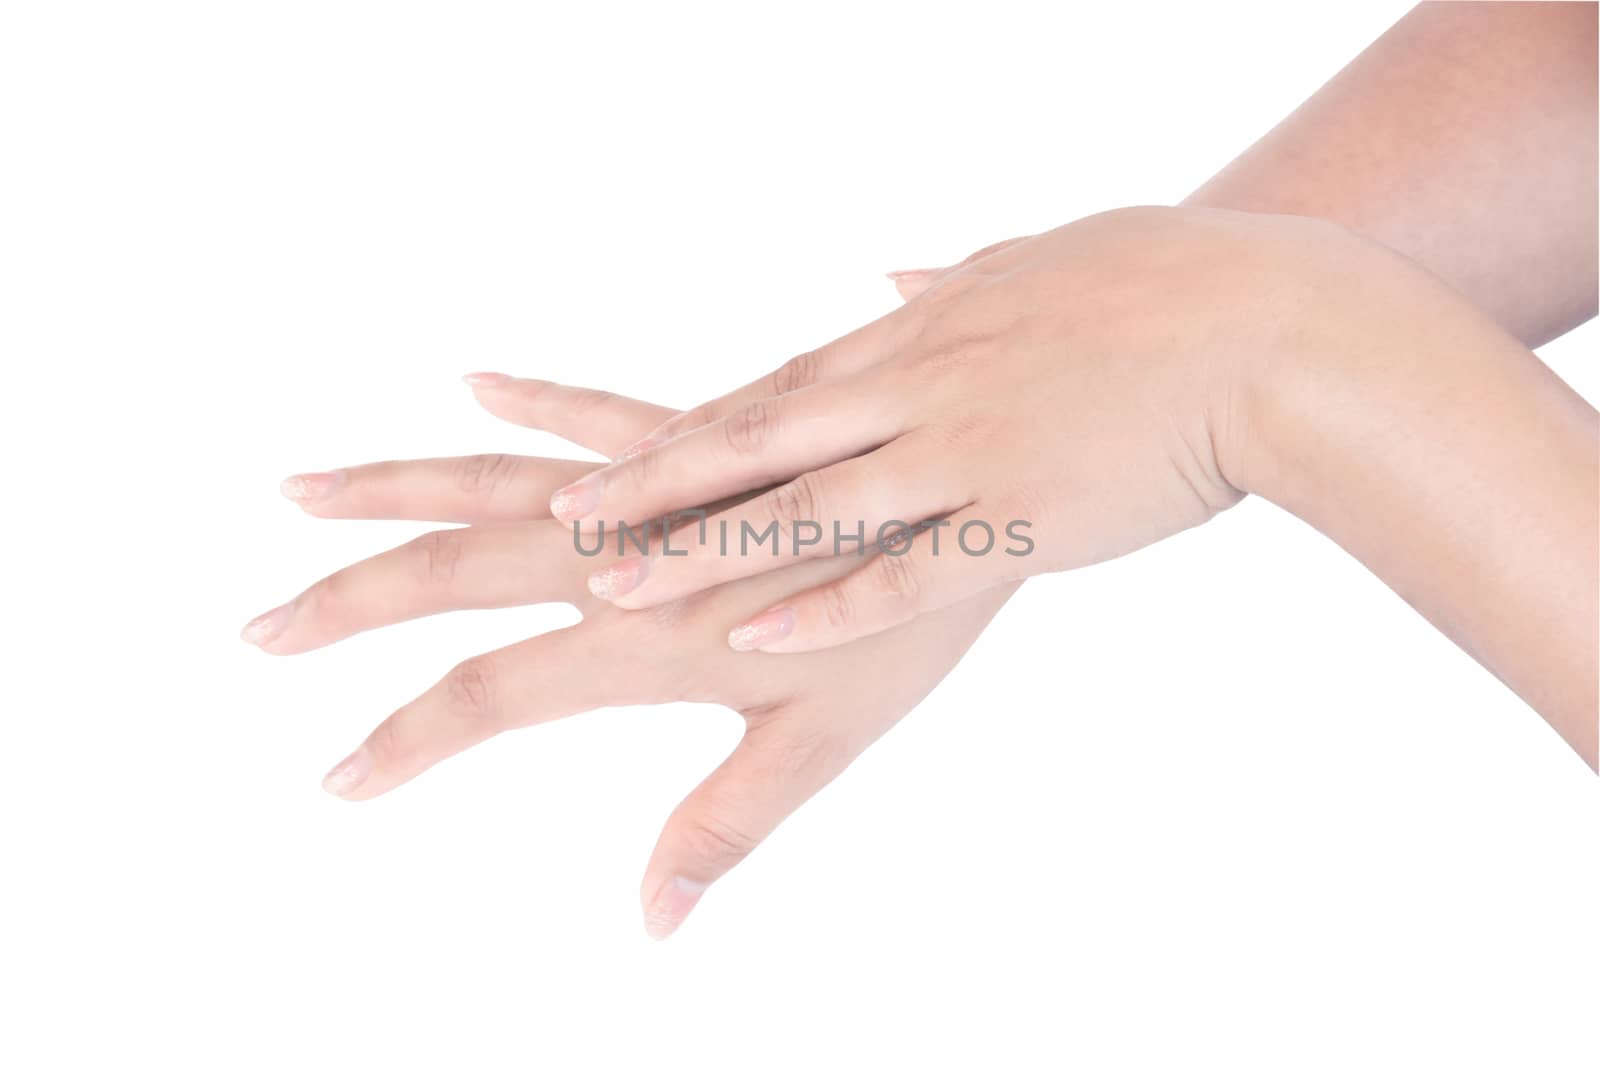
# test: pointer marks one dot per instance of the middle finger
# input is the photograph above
(443, 570)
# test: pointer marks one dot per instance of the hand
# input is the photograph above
(1058, 400)
(1072, 396)
(805, 719)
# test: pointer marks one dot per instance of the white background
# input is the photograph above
(1228, 799)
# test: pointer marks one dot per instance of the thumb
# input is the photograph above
(784, 758)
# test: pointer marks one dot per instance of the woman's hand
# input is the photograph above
(806, 719)
(1072, 396)
(1057, 400)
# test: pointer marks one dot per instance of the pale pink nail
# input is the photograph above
(308, 488)
(265, 628)
(897, 276)
(764, 629)
(350, 773)
(485, 379)
(672, 904)
(577, 499)
(621, 578)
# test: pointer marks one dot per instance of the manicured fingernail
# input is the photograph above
(307, 488)
(350, 773)
(672, 904)
(611, 582)
(577, 499)
(485, 379)
(764, 629)
(264, 629)
(897, 276)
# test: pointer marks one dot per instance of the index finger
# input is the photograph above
(770, 441)
(855, 351)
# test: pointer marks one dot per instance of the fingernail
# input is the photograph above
(644, 444)
(306, 488)
(764, 629)
(672, 904)
(264, 629)
(350, 773)
(619, 578)
(577, 499)
(485, 379)
(912, 283)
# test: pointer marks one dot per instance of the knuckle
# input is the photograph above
(325, 602)
(485, 474)
(470, 691)
(387, 743)
(437, 554)
(838, 605)
(1026, 500)
(693, 419)
(795, 502)
(700, 417)
(748, 430)
(898, 577)
(798, 373)
(644, 468)
(717, 839)
(535, 391)
(343, 598)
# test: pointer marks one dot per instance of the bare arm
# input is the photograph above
(1464, 138)
(1453, 463)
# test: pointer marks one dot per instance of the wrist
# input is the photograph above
(1356, 341)
(1406, 426)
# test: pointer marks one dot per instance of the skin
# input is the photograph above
(1200, 355)
(1350, 386)
(803, 725)
(1463, 138)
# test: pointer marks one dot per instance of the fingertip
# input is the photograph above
(267, 627)
(573, 502)
(670, 904)
(763, 630)
(348, 774)
(615, 582)
(485, 379)
(308, 489)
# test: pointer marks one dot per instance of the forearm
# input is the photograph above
(1464, 138)
(1447, 458)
